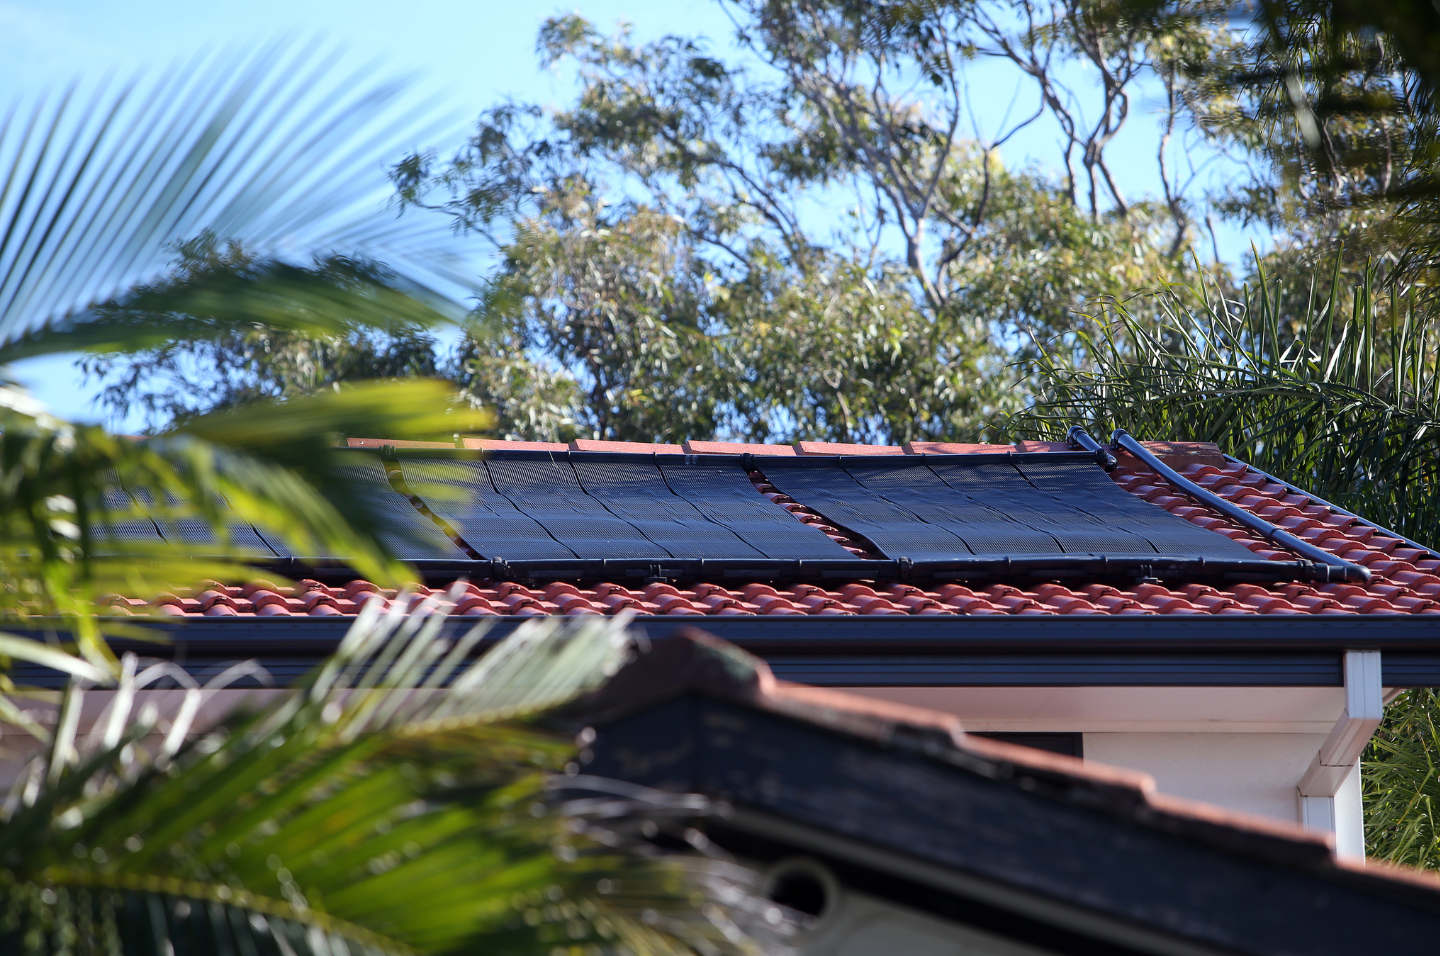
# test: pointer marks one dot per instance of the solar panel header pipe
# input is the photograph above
(1329, 567)
(1079, 438)
(1294, 489)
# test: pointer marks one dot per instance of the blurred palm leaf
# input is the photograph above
(98, 194)
(396, 801)
(1402, 783)
(271, 150)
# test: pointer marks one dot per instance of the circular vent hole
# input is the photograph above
(801, 887)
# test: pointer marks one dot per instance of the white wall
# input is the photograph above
(858, 924)
(1256, 773)
(1244, 748)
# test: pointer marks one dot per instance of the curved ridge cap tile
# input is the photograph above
(735, 448)
(954, 448)
(1192, 811)
(498, 444)
(1089, 771)
(629, 447)
(845, 448)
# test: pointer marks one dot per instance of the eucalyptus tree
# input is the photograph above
(810, 235)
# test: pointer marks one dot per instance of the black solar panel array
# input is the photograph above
(723, 493)
(537, 507)
(483, 518)
(197, 533)
(408, 533)
(1074, 531)
(989, 507)
(835, 493)
(612, 516)
(1087, 492)
(137, 529)
(986, 528)
(636, 492)
(548, 491)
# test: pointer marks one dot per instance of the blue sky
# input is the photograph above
(468, 54)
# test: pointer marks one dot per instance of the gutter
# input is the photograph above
(1103, 650)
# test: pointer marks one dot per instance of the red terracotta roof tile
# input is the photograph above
(392, 443)
(735, 448)
(591, 444)
(954, 448)
(843, 448)
(498, 445)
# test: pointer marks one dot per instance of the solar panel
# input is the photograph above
(1084, 488)
(897, 531)
(485, 519)
(138, 529)
(407, 533)
(724, 493)
(197, 533)
(998, 484)
(548, 491)
(636, 491)
(987, 529)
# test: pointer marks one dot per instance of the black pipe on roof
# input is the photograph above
(1334, 568)
(1078, 436)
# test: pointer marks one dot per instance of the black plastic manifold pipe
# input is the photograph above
(1335, 568)
(1295, 489)
(1079, 438)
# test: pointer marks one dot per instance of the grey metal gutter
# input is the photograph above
(1100, 650)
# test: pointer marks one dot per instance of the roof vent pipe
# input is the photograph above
(1334, 568)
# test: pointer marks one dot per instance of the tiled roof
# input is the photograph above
(1405, 580)
(697, 662)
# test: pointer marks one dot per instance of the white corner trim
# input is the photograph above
(1364, 707)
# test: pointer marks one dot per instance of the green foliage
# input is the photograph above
(398, 800)
(229, 329)
(665, 261)
(1401, 786)
(94, 198)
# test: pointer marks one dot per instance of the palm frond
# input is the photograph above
(274, 150)
(1342, 398)
(395, 802)
(1402, 783)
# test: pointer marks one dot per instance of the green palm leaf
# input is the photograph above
(399, 800)
(271, 150)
